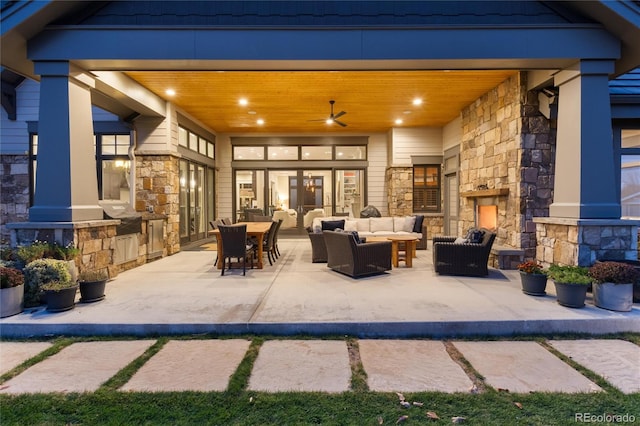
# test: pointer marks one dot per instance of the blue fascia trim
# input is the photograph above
(582, 42)
(20, 12)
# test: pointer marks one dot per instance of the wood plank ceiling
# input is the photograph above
(287, 101)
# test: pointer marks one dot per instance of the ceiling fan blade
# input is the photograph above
(320, 119)
(339, 122)
(338, 115)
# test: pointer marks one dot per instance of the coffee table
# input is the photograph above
(397, 254)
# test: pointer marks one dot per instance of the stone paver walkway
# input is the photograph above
(301, 365)
(411, 366)
(523, 367)
(324, 365)
(617, 361)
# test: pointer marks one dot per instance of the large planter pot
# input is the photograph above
(614, 297)
(61, 300)
(533, 284)
(571, 295)
(92, 291)
(11, 301)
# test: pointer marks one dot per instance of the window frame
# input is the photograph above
(436, 188)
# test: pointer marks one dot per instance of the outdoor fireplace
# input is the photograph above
(485, 202)
(487, 216)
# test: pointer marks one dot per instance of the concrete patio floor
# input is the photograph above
(185, 294)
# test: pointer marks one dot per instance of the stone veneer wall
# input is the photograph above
(583, 241)
(14, 193)
(95, 239)
(158, 187)
(399, 181)
(507, 143)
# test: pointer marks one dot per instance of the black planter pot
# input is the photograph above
(533, 284)
(61, 300)
(571, 295)
(92, 291)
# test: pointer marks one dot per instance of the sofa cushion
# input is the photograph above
(350, 225)
(379, 224)
(403, 223)
(363, 225)
(332, 225)
(461, 240)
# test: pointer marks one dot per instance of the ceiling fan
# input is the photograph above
(333, 118)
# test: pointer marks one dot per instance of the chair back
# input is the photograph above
(234, 240)
(227, 221)
(278, 225)
(271, 236)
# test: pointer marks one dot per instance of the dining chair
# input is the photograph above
(234, 245)
(214, 225)
(268, 242)
(227, 221)
(276, 250)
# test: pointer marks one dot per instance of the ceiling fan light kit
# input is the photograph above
(333, 118)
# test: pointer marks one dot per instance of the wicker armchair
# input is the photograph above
(462, 259)
(346, 256)
(318, 247)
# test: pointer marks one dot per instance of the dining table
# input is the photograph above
(257, 230)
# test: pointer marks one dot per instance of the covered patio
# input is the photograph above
(185, 294)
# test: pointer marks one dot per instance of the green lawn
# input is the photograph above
(238, 406)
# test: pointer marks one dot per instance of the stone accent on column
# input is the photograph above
(507, 143)
(567, 241)
(14, 196)
(95, 239)
(400, 191)
(400, 199)
(158, 188)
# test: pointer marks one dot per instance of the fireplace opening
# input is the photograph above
(487, 217)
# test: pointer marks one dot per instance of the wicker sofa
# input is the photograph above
(471, 259)
(367, 227)
(348, 257)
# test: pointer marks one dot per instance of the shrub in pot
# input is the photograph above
(39, 272)
(60, 295)
(11, 291)
(572, 283)
(533, 278)
(92, 285)
(613, 285)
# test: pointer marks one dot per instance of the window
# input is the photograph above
(426, 188)
(195, 142)
(112, 160)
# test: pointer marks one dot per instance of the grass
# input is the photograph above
(359, 406)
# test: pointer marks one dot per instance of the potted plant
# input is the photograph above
(613, 285)
(61, 295)
(92, 285)
(11, 291)
(39, 272)
(533, 278)
(572, 283)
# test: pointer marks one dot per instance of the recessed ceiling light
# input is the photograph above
(417, 101)
(260, 121)
(243, 101)
(170, 92)
(399, 121)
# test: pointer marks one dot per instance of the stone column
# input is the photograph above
(585, 172)
(66, 182)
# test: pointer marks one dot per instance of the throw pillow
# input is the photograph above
(476, 236)
(417, 226)
(409, 222)
(332, 225)
(460, 240)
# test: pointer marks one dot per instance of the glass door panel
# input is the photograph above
(250, 193)
(348, 195)
(184, 201)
